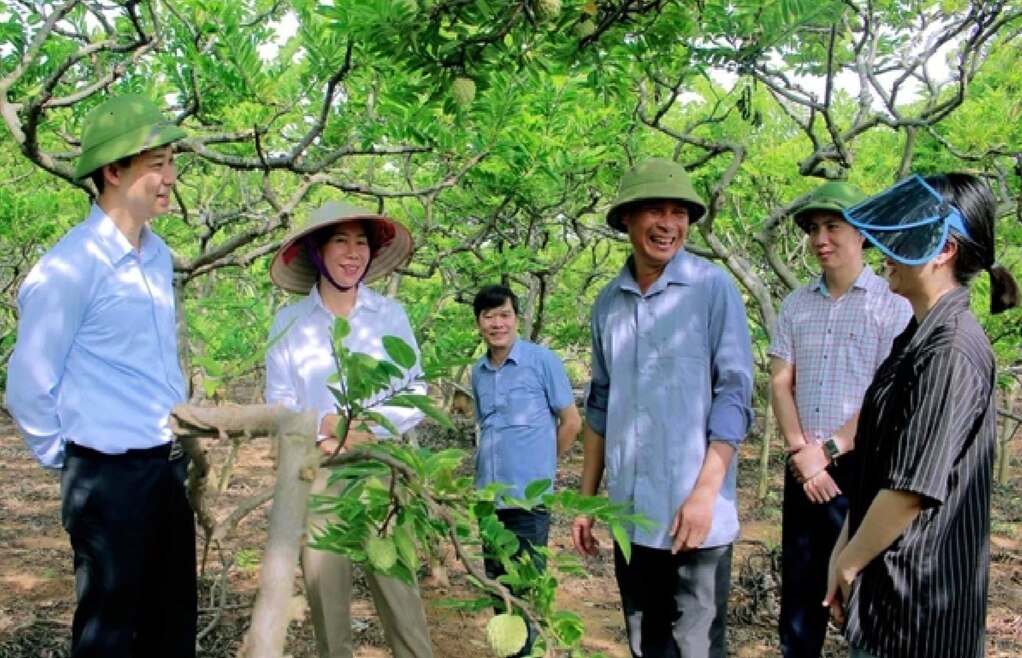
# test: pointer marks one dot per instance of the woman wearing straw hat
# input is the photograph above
(910, 568)
(330, 259)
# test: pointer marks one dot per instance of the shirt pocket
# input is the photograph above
(525, 405)
(862, 350)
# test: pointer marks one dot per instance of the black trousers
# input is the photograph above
(808, 533)
(532, 527)
(133, 536)
(675, 606)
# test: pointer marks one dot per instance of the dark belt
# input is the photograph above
(167, 451)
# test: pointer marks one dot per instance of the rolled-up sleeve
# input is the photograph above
(781, 342)
(731, 364)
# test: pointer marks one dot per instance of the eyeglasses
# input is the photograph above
(908, 222)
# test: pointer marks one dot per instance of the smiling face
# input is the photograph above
(498, 326)
(835, 243)
(346, 254)
(657, 230)
(143, 186)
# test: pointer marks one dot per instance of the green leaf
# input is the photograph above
(388, 370)
(424, 404)
(341, 329)
(341, 429)
(406, 547)
(621, 537)
(537, 488)
(399, 351)
(382, 421)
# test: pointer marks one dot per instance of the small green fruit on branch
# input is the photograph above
(381, 552)
(506, 634)
(463, 91)
(546, 10)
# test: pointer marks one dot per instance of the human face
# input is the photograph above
(498, 326)
(835, 243)
(143, 187)
(905, 280)
(657, 230)
(346, 254)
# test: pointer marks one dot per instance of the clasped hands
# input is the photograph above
(329, 443)
(808, 463)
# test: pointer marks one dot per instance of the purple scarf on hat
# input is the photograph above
(317, 261)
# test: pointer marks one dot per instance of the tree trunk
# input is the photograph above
(272, 612)
(1008, 428)
(764, 451)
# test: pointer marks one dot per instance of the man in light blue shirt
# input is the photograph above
(669, 403)
(527, 419)
(91, 383)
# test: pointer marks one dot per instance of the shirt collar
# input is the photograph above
(678, 271)
(514, 356)
(114, 244)
(366, 301)
(951, 304)
(867, 280)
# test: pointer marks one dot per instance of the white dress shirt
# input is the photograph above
(300, 362)
(96, 358)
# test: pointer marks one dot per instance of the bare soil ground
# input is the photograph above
(37, 581)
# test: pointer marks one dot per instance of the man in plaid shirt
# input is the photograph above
(832, 334)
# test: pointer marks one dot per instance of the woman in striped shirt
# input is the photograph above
(909, 573)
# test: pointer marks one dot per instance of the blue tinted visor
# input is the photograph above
(908, 221)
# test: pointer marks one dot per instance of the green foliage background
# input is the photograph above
(288, 104)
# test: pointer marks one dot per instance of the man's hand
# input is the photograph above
(807, 460)
(692, 522)
(582, 537)
(821, 488)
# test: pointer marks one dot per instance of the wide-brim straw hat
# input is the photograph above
(292, 270)
(120, 127)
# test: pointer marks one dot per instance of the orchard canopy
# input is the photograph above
(497, 131)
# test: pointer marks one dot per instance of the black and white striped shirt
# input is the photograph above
(927, 426)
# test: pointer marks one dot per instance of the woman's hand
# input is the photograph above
(839, 587)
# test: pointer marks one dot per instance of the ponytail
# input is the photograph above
(1003, 289)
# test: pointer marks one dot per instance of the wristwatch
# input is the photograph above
(830, 447)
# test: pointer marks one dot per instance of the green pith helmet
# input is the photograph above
(122, 127)
(656, 178)
(832, 197)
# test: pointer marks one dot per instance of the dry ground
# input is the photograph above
(37, 582)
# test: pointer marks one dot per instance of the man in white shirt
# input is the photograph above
(91, 383)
